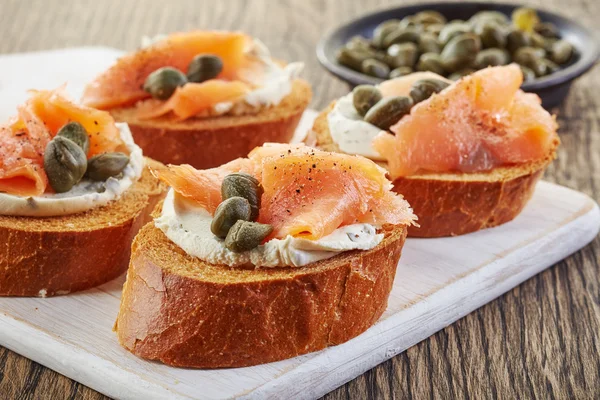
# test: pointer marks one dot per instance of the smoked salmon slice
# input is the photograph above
(307, 192)
(476, 124)
(24, 138)
(122, 84)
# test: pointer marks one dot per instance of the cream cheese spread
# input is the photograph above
(83, 196)
(350, 132)
(188, 226)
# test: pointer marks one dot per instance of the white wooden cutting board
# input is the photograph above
(438, 281)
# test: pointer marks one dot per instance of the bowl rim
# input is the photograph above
(588, 57)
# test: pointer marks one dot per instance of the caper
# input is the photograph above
(204, 67)
(77, 133)
(527, 56)
(460, 51)
(561, 51)
(228, 213)
(352, 58)
(452, 30)
(364, 97)
(402, 55)
(375, 68)
(431, 62)
(106, 165)
(245, 236)
(434, 28)
(551, 66)
(360, 43)
(243, 185)
(389, 111)
(492, 35)
(428, 43)
(547, 30)
(410, 22)
(384, 29)
(430, 17)
(163, 82)
(400, 71)
(400, 35)
(489, 16)
(460, 73)
(516, 39)
(491, 57)
(528, 74)
(424, 88)
(525, 18)
(64, 163)
(537, 40)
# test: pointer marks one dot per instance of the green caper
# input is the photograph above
(243, 185)
(460, 51)
(402, 55)
(547, 30)
(428, 43)
(491, 57)
(106, 165)
(551, 66)
(360, 43)
(460, 73)
(452, 30)
(77, 133)
(352, 58)
(517, 39)
(389, 111)
(410, 22)
(163, 82)
(400, 71)
(384, 29)
(492, 35)
(229, 212)
(489, 16)
(375, 68)
(64, 163)
(561, 51)
(529, 56)
(528, 74)
(424, 88)
(537, 40)
(204, 67)
(429, 17)
(434, 28)
(431, 62)
(364, 97)
(400, 35)
(245, 236)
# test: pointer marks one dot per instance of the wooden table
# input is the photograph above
(540, 340)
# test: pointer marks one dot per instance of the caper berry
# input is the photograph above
(460, 51)
(244, 185)
(162, 83)
(106, 165)
(204, 67)
(388, 111)
(424, 88)
(561, 51)
(431, 62)
(245, 236)
(375, 68)
(77, 133)
(400, 71)
(64, 163)
(229, 212)
(364, 97)
(402, 55)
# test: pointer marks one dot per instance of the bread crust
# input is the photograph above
(59, 255)
(217, 316)
(210, 142)
(456, 203)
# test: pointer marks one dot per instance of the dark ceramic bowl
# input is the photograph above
(551, 88)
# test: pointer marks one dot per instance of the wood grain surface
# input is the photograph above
(540, 340)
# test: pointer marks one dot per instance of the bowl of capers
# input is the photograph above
(456, 39)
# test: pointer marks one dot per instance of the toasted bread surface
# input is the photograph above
(184, 312)
(210, 142)
(455, 203)
(58, 255)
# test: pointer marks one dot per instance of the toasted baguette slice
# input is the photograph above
(450, 204)
(58, 255)
(210, 142)
(184, 312)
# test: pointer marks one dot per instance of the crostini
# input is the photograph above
(264, 258)
(466, 155)
(74, 191)
(202, 98)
